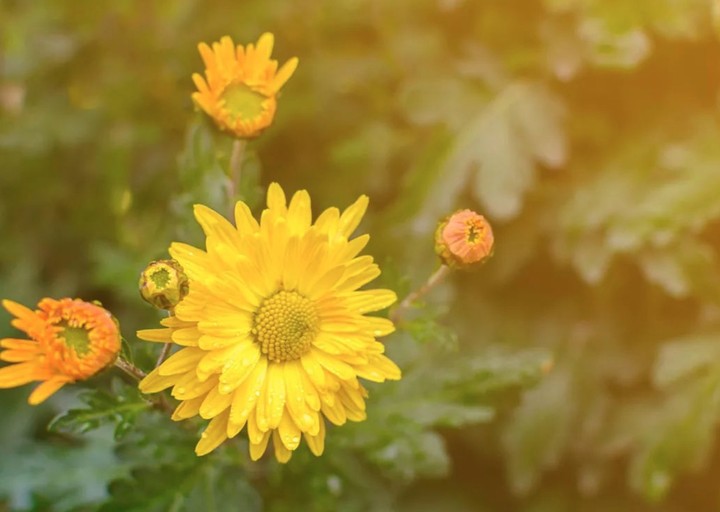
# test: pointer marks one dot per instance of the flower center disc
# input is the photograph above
(242, 102)
(76, 337)
(285, 326)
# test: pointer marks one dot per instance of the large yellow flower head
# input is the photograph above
(71, 340)
(273, 331)
(241, 84)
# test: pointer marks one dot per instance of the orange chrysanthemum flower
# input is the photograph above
(71, 340)
(240, 85)
(464, 239)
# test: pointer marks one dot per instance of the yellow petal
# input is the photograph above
(265, 46)
(316, 443)
(366, 301)
(276, 199)
(351, 217)
(214, 404)
(272, 398)
(182, 361)
(214, 224)
(255, 435)
(213, 436)
(187, 409)
(288, 432)
(187, 336)
(154, 382)
(327, 221)
(244, 219)
(188, 386)
(335, 412)
(299, 212)
(157, 335)
(333, 364)
(257, 449)
(247, 394)
(314, 370)
(282, 454)
(301, 414)
(237, 369)
(284, 74)
(213, 361)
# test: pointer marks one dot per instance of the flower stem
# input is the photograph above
(237, 158)
(413, 296)
(132, 370)
(163, 354)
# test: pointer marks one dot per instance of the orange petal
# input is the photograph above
(46, 389)
(18, 374)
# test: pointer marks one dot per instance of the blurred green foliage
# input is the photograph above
(585, 130)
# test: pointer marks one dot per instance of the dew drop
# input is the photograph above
(204, 435)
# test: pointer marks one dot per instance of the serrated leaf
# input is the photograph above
(684, 357)
(119, 406)
(537, 436)
(496, 153)
(183, 489)
(681, 437)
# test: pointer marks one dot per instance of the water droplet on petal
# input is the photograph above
(204, 435)
(307, 421)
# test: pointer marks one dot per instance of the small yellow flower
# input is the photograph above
(71, 340)
(464, 239)
(163, 284)
(241, 84)
(274, 333)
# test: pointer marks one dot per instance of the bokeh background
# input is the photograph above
(578, 370)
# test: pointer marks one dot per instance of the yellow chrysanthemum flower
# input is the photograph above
(71, 340)
(240, 85)
(274, 332)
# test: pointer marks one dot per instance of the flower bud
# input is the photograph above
(164, 284)
(464, 239)
(70, 340)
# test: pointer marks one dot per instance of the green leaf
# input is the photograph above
(680, 437)
(537, 436)
(119, 406)
(684, 357)
(203, 486)
(496, 153)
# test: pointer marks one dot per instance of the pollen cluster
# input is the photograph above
(285, 326)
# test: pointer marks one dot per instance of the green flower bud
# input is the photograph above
(164, 284)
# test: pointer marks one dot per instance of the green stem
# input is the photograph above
(237, 158)
(130, 369)
(413, 296)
